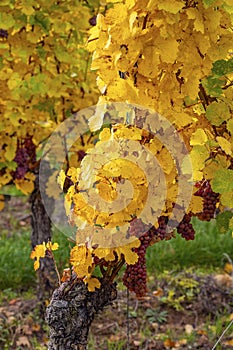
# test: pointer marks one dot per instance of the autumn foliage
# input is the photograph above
(44, 78)
(172, 57)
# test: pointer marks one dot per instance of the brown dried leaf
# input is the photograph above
(23, 341)
(158, 293)
(228, 342)
(224, 280)
(168, 343)
(228, 268)
(188, 329)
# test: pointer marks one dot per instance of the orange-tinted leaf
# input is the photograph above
(66, 275)
(168, 343)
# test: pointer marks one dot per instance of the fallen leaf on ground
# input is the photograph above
(188, 329)
(228, 268)
(23, 341)
(228, 342)
(223, 280)
(14, 301)
(137, 343)
(168, 343)
(158, 293)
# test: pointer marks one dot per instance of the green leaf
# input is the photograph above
(6, 20)
(41, 52)
(226, 199)
(208, 3)
(41, 20)
(223, 221)
(10, 165)
(213, 85)
(223, 181)
(222, 67)
(217, 113)
(11, 190)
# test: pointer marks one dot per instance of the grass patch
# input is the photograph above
(205, 251)
(16, 267)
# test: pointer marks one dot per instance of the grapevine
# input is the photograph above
(210, 200)
(185, 227)
(167, 57)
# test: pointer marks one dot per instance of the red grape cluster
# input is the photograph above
(162, 228)
(210, 199)
(3, 33)
(185, 227)
(92, 20)
(25, 155)
(135, 275)
(21, 159)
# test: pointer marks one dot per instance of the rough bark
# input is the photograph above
(71, 312)
(41, 232)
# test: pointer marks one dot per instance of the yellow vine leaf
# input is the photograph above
(2, 204)
(105, 134)
(40, 250)
(61, 178)
(132, 133)
(107, 190)
(68, 199)
(196, 205)
(52, 246)
(126, 250)
(199, 137)
(106, 253)
(6, 178)
(81, 260)
(73, 173)
(96, 121)
(26, 185)
(82, 208)
(170, 6)
(92, 283)
(198, 154)
(225, 145)
(11, 149)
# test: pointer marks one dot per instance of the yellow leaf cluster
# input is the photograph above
(26, 185)
(130, 256)
(102, 180)
(82, 261)
(164, 54)
(44, 73)
(40, 251)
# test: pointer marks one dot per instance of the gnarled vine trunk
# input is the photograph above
(72, 310)
(41, 232)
